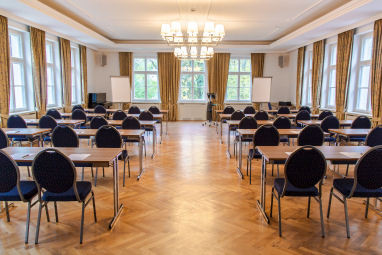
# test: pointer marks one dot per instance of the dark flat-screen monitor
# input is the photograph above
(97, 98)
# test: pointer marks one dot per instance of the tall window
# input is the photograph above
(328, 98)
(146, 86)
(239, 80)
(193, 80)
(21, 96)
(53, 74)
(76, 75)
(307, 85)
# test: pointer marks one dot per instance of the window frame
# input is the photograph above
(77, 74)
(239, 73)
(145, 73)
(193, 73)
(56, 72)
(327, 75)
(307, 83)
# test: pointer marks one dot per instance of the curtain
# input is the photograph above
(376, 74)
(317, 66)
(300, 75)
(218, 67)
(344, 52)
(39, 70)
(126, 69)
(66, 73)
(257, 63)
(84, 75)
(4, 71)
(169, 77)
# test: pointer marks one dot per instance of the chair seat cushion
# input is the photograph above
(28, 189)
(284, 139)
(83, 189)
(330, 139)
(344, 186)
(344, 162)
(357, 139)
(292, 190)
(254, 154)
(83, 164)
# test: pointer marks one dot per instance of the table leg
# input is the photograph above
(118, 208)
(140, 158)
(216, 123)
(261, 203)
(228, 142)
(166, 123)
(240, 157)
(41, 140)
(161, 130)
(221, 130)
(154, 141)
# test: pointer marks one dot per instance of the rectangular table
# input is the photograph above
(224, 116)
(293, 115)
(343, 123)
(98, 157)
(279, 153)
(156, 117)
(91, 110)
(34, 122)
(29, 133)
(275, 111)
(88, 115)
(350, 132)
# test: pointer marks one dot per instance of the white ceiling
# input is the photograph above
(251, 25)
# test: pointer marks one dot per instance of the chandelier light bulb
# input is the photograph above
(209, 28)
(176, 27)
(192, 29)
(165, 30)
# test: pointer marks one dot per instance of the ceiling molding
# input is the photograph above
(162, 42)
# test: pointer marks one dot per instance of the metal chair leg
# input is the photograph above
(55, 211)
(83, 173)
(346, 218)
(124, 172)
(38, 223)
(367, 207)
(7, 211)
(27, 223)
(94, 208)
(82, 222)
(271, 209)
(279, 205)
(322, 218)
(330, 202)
(128, 165)
(250, 171)
(92, 172)
(103, 172)
(308, 212)
(95, 178)
(29, 171)
(47, 212)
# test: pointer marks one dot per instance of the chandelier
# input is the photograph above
(192, 45)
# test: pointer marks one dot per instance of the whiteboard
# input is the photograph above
(120, 89)
(261, 89)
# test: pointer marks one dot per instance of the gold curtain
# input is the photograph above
(300, 75)
(257, 63)
(39, 70)
(66, 73)
(376, 74)
(84, 75)
(344, 52)
(169, 77)
(4, 71)
(317, 68)
(218, 67)
(126, 69)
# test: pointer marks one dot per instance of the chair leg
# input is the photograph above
(27, 223)
(271, 209)
(128, 165)
(330, 202)
(367, 207)
(7, 211)
(346, 217)
(308, 212)
(103, 172)
(38, 223)
(322, 219)
(47, 212)
(95, 178)
(83, 173)
(278, 171)
(55, 211)
(347, 170)
(144, 146)
(279, 205)
(29, 171)
(92, 172)
(82, 222)
(124, 172)
(94, 208)
(247, 165)
(250, 171)
(272, 168)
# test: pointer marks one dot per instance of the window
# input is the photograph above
(146, 86)
(239, 80)
(54, 94)
(360, 83)
(307, 84)
(328, 98)
(21, 96)
(76, 75)
(193, 80)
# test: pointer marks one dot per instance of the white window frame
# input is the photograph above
(146, 73)
(76, 68)
(307, 84)
(56, 70)
(239, 73)
(331, 49)
(193, 73)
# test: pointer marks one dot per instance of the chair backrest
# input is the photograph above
(9, 172)
(4, 141)
(228, 110)
(54, 172)
(324, 114)
(361, 122)
(100, 109)
(368, 170)
(131, 122)
(54, 113)
(266, 135)
(108, 137)
(311, 135)
(77, 107)
(269, 106)
(98, 122)
(304, 168)
(374, 138)
(249, 110)
(282, 122)
(78, 114)
(248, 123)
(119, 115)
(304, 108)
(146, 115)
(16, 121)
(283, 110)
(237, 115)
(261, 115)
(134, 110)
(154, 110)
(330, 122)
(47, 122)
(64, 136)
(302, 115)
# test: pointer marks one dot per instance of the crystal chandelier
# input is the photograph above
(191, 45)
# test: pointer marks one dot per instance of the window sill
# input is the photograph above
(192, 102)
(238, 102)
(359, 113)
(22, 112)
(145, 102)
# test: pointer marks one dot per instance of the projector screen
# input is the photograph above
(261, 89)
(120, 89)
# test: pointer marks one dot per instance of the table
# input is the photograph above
(275, 111)
(34, 122)
(343, 123)
(165, 112)
(125, 133)
(30, 133)
(293, 115)
(88, 115)
(227, 116)
(349, 132)
(279, 153)
(156, 117)
(98, 157)
(107, 110)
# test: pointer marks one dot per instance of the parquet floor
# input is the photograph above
(191, 201)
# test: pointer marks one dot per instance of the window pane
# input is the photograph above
(362, 99)
(186, 80)
(232, 94)
(310, 60)
(199, 66)
(332, 96)
(232, 81)
(199, 80)
(72, 56)
(49, 73)
(185, 93)
(199, 86)
(20, 97)
(50, 95)
(234, 65)
(245, 81)
(186, 65)
(245, 93)
(152, 86)
(332, 79)
(15, 43)
(74, 91)
(18, 78)
(198, 93)
(367, 45)
(333, 55)
(49, 55)
(245, 65)
(139, 86)
(139, 64)
(364, 76)
(152, 64)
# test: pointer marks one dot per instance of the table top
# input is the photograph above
(143, 122)
(259, 122)
(346, 153)
(123, 132)
(275, 111)
(26, 131)
(89, 115)
(318, 122)
(228, 115)
(156, 116)
(288, 132)
(351, 131)
(59, 122)
(107, 110)
(293, 115)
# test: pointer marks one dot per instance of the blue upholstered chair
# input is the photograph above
(304, 108)
(261, 115)
(245, 123)
(146, 115)
(79, 114)
(283, 122)
(304, 170)
(78, 107)
(96, 123)
(374, 138)
(228, 110)
(249, 110)
(16, 121)
(301, 115)
(54, 113)
(367, 182)
(4, 141)
(324, 114)
(236, 115)
(56, 179)
(283, 110)
(134, 110)
(154, 110)
(131, 122)
(361, 122)
(119, 115)
(100, 109)
(330, 122)
(311, 135)
(47, 122)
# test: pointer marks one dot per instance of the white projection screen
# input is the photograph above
(120, 89)
(261, 89)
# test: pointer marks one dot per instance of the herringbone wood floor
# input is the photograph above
(191, 201)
